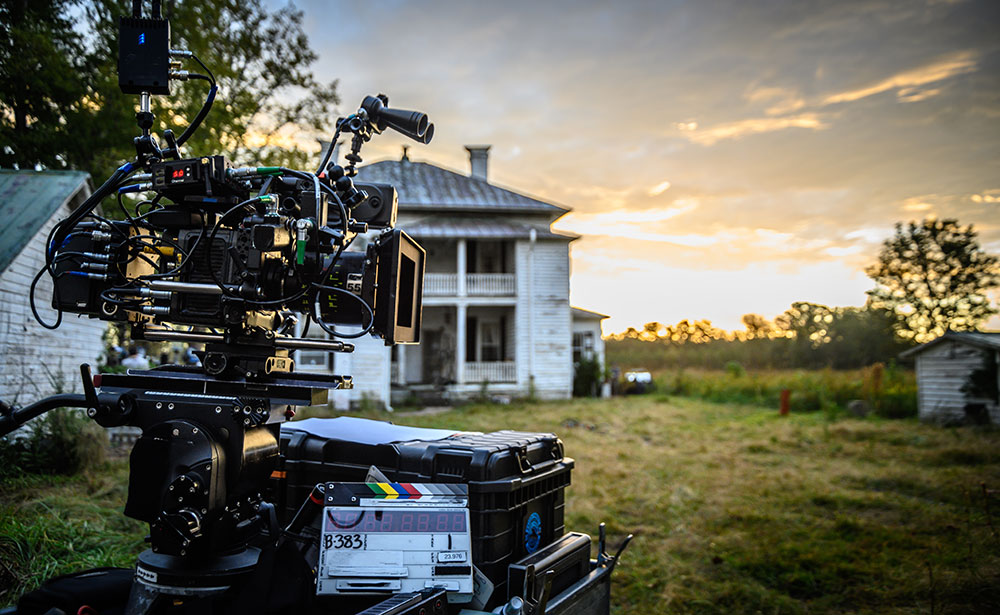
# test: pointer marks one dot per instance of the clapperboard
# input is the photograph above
(387, 538)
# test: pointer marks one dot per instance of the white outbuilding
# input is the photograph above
(957, 378)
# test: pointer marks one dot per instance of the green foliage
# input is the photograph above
(823, 390)
(935, 277)
(734, 369)
(52, 525)
(588, 374)
(62, 441)
(269, 101)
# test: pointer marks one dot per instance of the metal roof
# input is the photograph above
(426, 186)
(478, 228)
(27, 200)
(583, 314)
(989, 341)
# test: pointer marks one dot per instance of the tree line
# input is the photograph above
(929, 278)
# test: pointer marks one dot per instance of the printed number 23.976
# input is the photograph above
(343, 541)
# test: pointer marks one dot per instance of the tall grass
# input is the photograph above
(889, 392)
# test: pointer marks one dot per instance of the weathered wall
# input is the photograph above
(942, 372)
(544, 292)
(34, 361)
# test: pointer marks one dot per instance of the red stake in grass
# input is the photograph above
(786, 397)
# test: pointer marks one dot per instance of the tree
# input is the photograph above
(269, 101)
(934, 276)
(757, 326)
(40, 63)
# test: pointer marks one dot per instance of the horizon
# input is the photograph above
(719, 159)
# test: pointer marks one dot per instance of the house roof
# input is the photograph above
(989, 341)
(27, 200)
(426, 186)
(479, 228)
(583, 314)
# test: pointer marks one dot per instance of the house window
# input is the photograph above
(486, 257)
(315, 360)
(583, 346)
(491, 336)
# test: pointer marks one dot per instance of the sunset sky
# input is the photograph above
(720, 158)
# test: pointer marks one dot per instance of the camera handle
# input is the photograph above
(11, 418)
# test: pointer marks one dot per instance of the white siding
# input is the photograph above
(942, 372)
(369, 365)
(548, 330)
(34, 361)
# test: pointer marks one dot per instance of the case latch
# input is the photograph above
(522, 459)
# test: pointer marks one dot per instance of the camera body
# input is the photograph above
(207, 253)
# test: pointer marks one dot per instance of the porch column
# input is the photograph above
(401, 365)
(460, 268)
(460, 324)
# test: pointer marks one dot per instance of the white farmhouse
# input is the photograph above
(496, 312)
(34, 361)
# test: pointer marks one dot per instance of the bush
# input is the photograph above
(587, 378)
(63, 441)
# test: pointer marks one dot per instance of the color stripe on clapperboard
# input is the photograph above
(409, 491)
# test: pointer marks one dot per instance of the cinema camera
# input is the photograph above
(233, 258)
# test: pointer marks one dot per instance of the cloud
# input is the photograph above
(783, 100)
(753, 126)
(638, 225)
(908, 82)
(659, 188)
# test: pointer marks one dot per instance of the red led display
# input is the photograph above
(178, 174)
(405, 521)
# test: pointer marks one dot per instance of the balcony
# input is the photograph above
(476, 285)
(440, 284)
(491, 371)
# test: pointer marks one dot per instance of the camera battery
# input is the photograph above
(143, 55)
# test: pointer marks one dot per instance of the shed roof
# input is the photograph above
(479, 228)
(990, 341)
(582, 314)
(27, 200)
(426, 186)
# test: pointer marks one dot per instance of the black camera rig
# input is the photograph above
(232, 258)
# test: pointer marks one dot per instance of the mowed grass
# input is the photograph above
(735, 509)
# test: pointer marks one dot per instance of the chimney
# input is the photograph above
(479, 157)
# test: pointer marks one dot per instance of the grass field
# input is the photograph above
(735, 509)
(891, 392)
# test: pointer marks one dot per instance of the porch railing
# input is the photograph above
(491, 371)
(476, 284)
(490, 284)
(440, 284)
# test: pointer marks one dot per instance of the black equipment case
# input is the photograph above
(516, 479)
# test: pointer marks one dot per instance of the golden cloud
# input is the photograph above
(752, 126)
(908, 82)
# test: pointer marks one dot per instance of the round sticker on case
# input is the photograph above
(533, 533)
